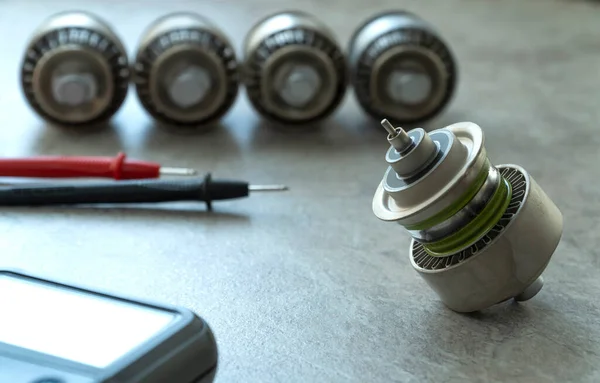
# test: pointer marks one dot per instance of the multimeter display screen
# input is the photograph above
(73, 325)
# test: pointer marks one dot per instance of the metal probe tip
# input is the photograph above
(397, 136)
(266, 188)
(389, 127)
(177, 172)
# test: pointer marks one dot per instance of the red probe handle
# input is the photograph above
(75, 167)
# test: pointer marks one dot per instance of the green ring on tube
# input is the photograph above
(477, 228)
(455, 207)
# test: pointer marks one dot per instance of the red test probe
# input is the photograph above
(118, 168)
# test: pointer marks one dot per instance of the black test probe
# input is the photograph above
(130, 191)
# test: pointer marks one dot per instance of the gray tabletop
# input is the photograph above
(308, 286)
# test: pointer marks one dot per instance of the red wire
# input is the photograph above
(118, 168)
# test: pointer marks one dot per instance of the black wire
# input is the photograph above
(202, 189)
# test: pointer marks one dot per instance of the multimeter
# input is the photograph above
(52, 332)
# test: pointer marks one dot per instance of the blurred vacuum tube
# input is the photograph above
(186, 72)
(294, 70)
(75, 70)
(401, 68)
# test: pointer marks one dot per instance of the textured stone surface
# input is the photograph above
(309, 286)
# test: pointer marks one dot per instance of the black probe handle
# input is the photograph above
(135, 191)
